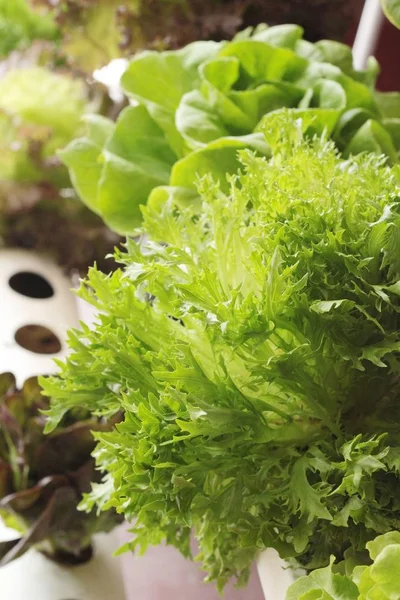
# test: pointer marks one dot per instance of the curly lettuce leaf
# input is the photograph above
(91, 32)
(42, 98)
(251, 340)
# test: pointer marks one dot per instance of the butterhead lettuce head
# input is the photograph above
(194, 108)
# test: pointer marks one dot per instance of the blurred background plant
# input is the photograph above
(125, 26)
(41, 111)
(391, 8)
(42, 103)
(49, 50)
(42, 478)
(20, 25)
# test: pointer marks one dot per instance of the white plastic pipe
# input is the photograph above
(368, 32)
(110, 76)
(275, 576)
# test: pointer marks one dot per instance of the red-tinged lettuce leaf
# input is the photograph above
(43, 478)
(5, 479)
(56, 520)
(62, 451)
(25, 501)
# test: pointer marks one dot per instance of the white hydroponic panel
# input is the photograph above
(35, 315)
(34, 577)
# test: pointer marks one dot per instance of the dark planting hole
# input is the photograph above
(31, 284)
(38, 339)
(62, 557)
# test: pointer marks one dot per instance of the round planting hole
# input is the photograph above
(38, 339)
(31, 285)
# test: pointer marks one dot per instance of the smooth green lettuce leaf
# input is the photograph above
(376, 546)
(137, 158)
(349, 122)
(389, 104)
(372, 137)
(323, 584)
(377, 581)
(82, 157)
(385, 571)
(392, 126)
(392, 11)
(261, 62)
(219, 158)
(159, 80)
(197, 121)
(116, 167)
(281, 36)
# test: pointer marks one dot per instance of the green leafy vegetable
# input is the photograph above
(198, 105)
(42, 478)
(391, 9)
(377, 581)
(20, 25)
(323, 584)
(92, 32)
(40, 112)
(253, 346)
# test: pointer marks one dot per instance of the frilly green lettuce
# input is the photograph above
(252, 343)
(42, 478)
